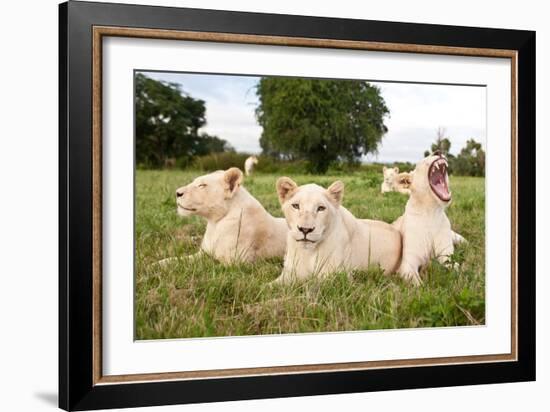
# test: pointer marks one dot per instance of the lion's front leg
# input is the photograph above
(188, 258)
(409, 272)
(445, 250)
(295, 268)
(414, 256)
(288, 275)
(458, 239)
(385, 188)
(284, 279)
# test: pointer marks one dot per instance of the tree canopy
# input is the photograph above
(442, 144)
(321, 121)
(469, 162)
(168, 122)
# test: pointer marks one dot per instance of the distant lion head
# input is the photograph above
(402, 181)
(209, 195)
(309, 210)
(430, 180)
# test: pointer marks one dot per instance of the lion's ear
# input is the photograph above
(232, 178)
(384, 169)
(285, 188)
(396, 169)
(336, 191)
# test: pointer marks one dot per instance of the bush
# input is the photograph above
(266, 164)
(404, 166)
(219, 161)
(337, 168)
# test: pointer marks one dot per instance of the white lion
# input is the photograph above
(249, 164)
(425, 227)
(402, 182)
(324, 237)
(238, 228)
(389, 176)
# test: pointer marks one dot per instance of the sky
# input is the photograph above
(416, 113)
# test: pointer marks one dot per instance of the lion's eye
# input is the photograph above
(296, 206)
(202, 185)
(321, 208)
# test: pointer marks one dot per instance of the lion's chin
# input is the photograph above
(185, 211)
(306, 243)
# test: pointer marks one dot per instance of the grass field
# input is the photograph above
(206, 298)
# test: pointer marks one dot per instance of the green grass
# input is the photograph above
(207, 298)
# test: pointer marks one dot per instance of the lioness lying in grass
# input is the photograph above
(395, 181)
(389, 176)
(324, 237)
(239, 228)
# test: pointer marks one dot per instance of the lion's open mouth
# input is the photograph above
(439, 179)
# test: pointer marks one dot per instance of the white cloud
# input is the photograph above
(230, 103)
(416, 112)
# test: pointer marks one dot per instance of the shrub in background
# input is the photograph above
(219, 161)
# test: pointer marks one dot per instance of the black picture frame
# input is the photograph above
(77, 390)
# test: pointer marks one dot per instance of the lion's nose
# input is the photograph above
(306, 230)
(179, 193)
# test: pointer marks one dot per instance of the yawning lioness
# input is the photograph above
(425, 227)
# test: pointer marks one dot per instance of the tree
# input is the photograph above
(212, 144)
(321, 121)
(168, 122)
(471, 160)
(442, 144)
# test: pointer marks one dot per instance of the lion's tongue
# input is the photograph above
(439, 184)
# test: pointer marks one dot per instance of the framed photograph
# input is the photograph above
(257, 206)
